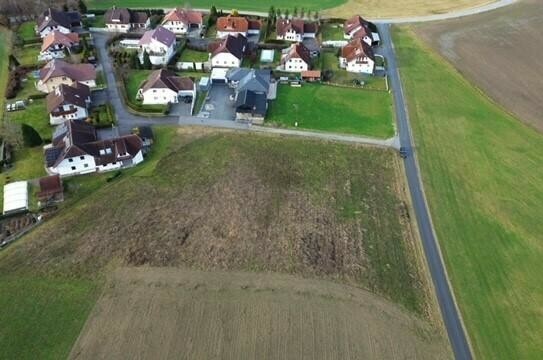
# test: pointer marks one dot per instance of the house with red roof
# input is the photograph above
(295, 29)
(296, 58)
(233, 25)
(56, 43)
(357, 57)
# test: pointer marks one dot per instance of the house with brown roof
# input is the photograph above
(57, 72)
(295, 29)
(68, 103)
(76, 150)
(56, 43)
(228, 52)
(232, 25)
(159, 43)
(358, 57)
(63, 21)
(164, 86)
(123, 20)
(296, 58)
(358, 28)
(181, 21)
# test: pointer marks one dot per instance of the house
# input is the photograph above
(63, 21)
(76, 150)
(159, 44)
(123, 20)
(234, 25)
(256, 80)
(181, 21)
(358, 28)
(163, 87)
(68, 103)
(228, 52)
(311, 75)
(57, 72)
(56, 43)
(296, 58)
(295, 29)
(51, 189)
(357, 56)
(251, 106)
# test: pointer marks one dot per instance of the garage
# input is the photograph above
(15, 197)
(218, 75)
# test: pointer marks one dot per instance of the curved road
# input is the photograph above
(449, 311)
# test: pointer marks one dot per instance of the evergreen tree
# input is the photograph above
(302, 13)
(287, 13)
(277, 13)
(147, 61)
(295, 12)
(82, 7)
(135, 62)
(309, 14)
(213, 12)
(65, 7)
(316, 15)
(271, 15)
(31, 137)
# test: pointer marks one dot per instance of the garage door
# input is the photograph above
(218, 75)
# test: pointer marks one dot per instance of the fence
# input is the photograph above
(196, 66)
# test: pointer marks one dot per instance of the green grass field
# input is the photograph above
(26, 30)
(133, 83)
(34, 115)
(41, 317)
(5, 44)
(483, 175)
(332, 32)
(27, 55)
(334, 109)
(221, 4)
(189, 55)
(329, 60)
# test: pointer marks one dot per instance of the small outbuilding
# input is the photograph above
(267, 55)
(51, 189)
(311, 75)
(15, 197)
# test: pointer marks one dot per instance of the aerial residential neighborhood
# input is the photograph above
(334, 179)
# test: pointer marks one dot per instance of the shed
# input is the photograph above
(51, 188)
(15, 197)
(267, 56)
(311, 75)
(204, 83)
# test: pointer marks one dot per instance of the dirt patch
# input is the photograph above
(174, 313)
(500, 52)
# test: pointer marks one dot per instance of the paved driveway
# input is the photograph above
(219, 105)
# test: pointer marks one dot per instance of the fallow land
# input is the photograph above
(215, 202)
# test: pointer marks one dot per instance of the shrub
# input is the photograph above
(31, 137)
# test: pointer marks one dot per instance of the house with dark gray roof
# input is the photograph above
(123, 20)
(251, 106)
(256, 80)
(229, 52)
(76, 150)
(68, 103)
(63, 21)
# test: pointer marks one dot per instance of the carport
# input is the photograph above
(218, 75)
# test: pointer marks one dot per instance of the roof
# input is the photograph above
(76, 72)
(267, 55)
(161, 79)
(354, 22)
(299, 26)
(58, 38)
(15, 196)
(232, 23)
(297, 51)
(160, 34)
(250, 79)
(125, 16)
(252, 102)
(50, 185)
(52, 17)
(311, 74)
(185, 16)
(357, 49)
(233, 44)
(68, 95)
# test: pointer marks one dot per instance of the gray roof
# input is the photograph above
(160, 34)
(250, 79)
(252, 102)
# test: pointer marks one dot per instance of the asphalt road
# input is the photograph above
(449, 311)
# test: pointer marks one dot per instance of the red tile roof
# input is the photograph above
(232, 23)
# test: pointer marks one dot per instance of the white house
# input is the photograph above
(357, 57)
(181, 21)
(68, 103)
(159, 44)
(53, 20)
(295, 30)
(57, 72)
(296, 58)
(123, 20)
(237, 25)
(163, 87)
(228, 52)
(56, 43)
(358, 28)
(76, 150)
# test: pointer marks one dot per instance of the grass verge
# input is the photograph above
(483, 175)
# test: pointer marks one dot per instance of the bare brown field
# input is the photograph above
(500, 52)
(404, 8)
(160, 313)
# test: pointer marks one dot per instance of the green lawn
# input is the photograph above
(98, 21)
(27, 55)
(134, 81)
(330, 61)
(483, 175)
(26, 30)
(34, 115)
(221, 4)
(334, 109)
(332, 32)
(41, 317)
(189, 55)
(5, 45)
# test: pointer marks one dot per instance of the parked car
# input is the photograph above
(403, 152)
(17, 105)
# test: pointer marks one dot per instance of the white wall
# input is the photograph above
(75, 165)
(177, 27)
(163, 53)
(80, 114)
(121, 28)
(159, 96)
(366, 66)
(296, 65)
(290, 35)
(225, 60)
(49, 29)
(223, 34)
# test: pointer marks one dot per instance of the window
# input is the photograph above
(73, 167)
(70, 160)
(82, 157)
(86, 165)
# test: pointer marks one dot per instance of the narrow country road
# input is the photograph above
(450, 313)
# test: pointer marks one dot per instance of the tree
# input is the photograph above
(277, 13)
(82, 7)
(31, 137)
(302, 13)
(213, 12)
(309, 14)
(271, 15)
(146, 61)
(295, 12)
(316, 15)
(286, 13)
(135, 62)
(234, 12)
(65, 7)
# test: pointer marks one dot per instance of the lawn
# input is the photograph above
(483, 175)
(334, 109)
(27, 55)
(332, 31)
(5, 45)
(329, 61)
(98, 21)
(41, 316)
(220, 4)
(133, 83)
(26, 30)
(189, 55)
(34, 115)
